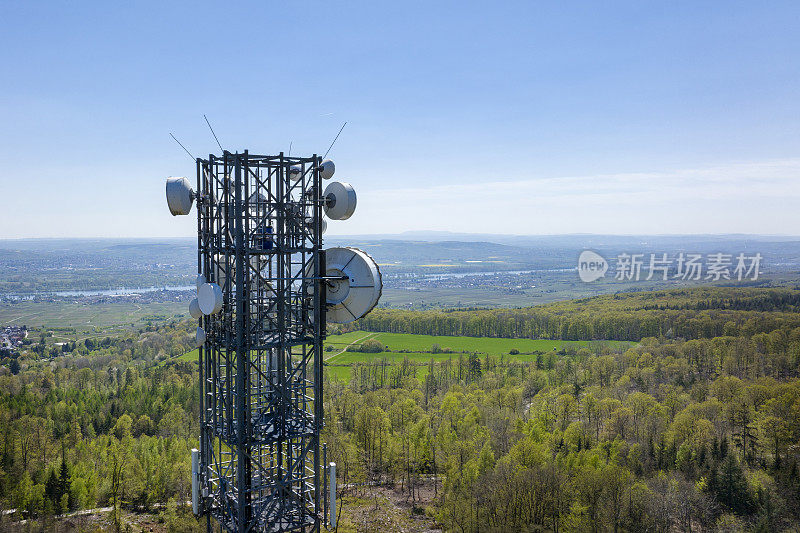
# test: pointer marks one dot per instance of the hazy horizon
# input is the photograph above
(436, 234)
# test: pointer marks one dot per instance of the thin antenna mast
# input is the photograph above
(184, 148)
(334, 139)
(214, 134)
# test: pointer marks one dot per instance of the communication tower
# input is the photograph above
(265, 290)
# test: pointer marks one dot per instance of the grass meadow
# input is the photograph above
(418, 348)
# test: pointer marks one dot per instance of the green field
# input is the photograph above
(417, 345)
(188, 356)
(88, 320)
(418, 349)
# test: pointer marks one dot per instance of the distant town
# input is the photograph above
(11, 338)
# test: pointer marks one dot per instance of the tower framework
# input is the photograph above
(260, 240)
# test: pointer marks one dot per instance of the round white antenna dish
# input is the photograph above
(256, 205)
(194, 309)
(221, 274)
(295, 172)
(199, 337)
(310, 222)
(326, 169)
(359, 287)
(199, 280)
(179, 196)
(256, 198)
(209, 298)
(340, 200)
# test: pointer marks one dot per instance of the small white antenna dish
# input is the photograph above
(199, 280)
(221, 274)
(209, 298)
(179, 196)
(199, 337)
(295, 172)
(340, 200)
(326, 169)
(257, 198)
(256, 205)
(356, 285)
(194, 309)
(310, 221)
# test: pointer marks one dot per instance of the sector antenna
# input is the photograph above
(266, 288)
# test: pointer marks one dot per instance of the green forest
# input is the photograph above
(696, 427)
(689, 314)
(104, 425)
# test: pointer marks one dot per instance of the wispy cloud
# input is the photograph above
(756, 197)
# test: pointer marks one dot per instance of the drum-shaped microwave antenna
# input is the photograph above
(353, 284)
(199, 337)
(179, 196)
(255, 201)
(295, 172)
(220, 272)
(209, 298)
(199, 281)
(194, 309)
(340, 200)
(310, 221)
(326, 169)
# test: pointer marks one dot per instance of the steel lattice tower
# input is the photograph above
(259, 222)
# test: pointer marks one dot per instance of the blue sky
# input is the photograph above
(508, 117)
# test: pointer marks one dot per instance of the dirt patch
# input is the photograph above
(146, 523)
(375, 509)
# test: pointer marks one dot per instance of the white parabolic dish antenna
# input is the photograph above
(194, 309)
(340, 200)
(310, 223)
(179, 196)
(327, 168)
(199, 337)
(209, 298)
(360, 286)
(295, 172)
